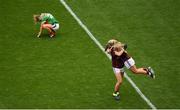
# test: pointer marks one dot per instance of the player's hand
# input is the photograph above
(107, 47)
(125, 46)
(39, 34)
(109, 50)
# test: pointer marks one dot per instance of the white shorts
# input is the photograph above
(55, 26)
(118, 70)
(130, 62)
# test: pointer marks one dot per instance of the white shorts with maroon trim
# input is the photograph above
(130, 62)
(118, 70)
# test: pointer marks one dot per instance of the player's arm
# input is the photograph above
(41, 28)
(108, 48)
(40, 31)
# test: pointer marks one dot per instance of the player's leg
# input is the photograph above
(136, 70)
(49, 28)
(146, 71)
(55, 27)
(119, 78)
(130, 64)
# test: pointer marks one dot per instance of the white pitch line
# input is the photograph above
(102, 48)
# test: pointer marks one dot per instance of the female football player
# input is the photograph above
(121, 57)
(117, 65)
(48, 22)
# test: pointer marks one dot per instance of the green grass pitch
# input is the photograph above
(70, 71)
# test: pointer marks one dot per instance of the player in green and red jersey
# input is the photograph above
(48, 22)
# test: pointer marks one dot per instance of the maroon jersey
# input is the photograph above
(118, 61)
(124, 57)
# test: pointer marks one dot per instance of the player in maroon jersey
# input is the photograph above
(120, 58)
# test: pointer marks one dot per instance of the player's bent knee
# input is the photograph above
(44, 27)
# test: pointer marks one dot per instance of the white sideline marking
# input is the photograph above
(102, 48)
